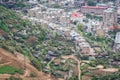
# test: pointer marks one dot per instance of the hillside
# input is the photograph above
(18, 35)
(30, 51)
(18, 63)
(13, 4)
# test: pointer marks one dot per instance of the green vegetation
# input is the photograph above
(16, 4)
(9, 70)
(56, 6)
(33, 41)
(114, 76)
(80, 26)
(90, 3)
(13, 78)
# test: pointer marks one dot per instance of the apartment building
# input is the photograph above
(98, 10)
(109, 17)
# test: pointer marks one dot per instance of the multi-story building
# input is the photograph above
(117, 42)
(93, 9)
(79, 3)
(118, 3)
(109, 17)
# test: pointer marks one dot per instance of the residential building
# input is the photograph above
(118, 3)
(84, 48)
(118, 10)
(109, 17)
(102, 5)
(117, 42)
(100, 32)
(98, 10)
(79, 3)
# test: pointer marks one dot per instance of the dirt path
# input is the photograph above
(48, 65)
(79, 62)
(112, 70)
(7, 56)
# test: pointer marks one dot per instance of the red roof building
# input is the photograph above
(93, 9)
(76, 15)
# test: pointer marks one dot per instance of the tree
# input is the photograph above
(80, 26)
(90, 3)
(56, 6)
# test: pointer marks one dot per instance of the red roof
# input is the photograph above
(94, 7)
(76, 15)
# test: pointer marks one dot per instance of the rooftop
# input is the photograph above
(109, 10)
(94, 7)
(76, 15)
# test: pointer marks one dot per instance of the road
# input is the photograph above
(78, 62)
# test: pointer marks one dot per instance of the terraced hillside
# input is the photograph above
(23, 37)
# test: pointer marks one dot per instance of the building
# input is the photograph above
(109, 17)
(77, 17)
(84, 48)
(78, 3)
(67, 3)
(102, 5)
(100, 32)
(98, 10)
(118, 3)
(118, 10)
(117, 42)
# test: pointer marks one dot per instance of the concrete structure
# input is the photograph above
(118, 3)
(98, 10)
(102, 5)
(117, 42)
(100, 32)
(118, 10)
(109, 17)
(67, 3)
(84, 48)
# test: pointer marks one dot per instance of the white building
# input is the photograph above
(118, 3)
(117, 42)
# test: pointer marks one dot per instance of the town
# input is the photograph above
(68, 39)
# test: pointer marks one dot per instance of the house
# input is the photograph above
(36, 55)
(47, 57)
(4, 34)
(76, 16)
(57, 62)
(84, 48)
(59, 47)
(52, 53)
(31, 39)
(100, 32)
(67, 33)
(79, 40)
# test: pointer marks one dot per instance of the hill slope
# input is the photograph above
(18, 35)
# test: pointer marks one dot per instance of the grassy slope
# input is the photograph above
(6, 69)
